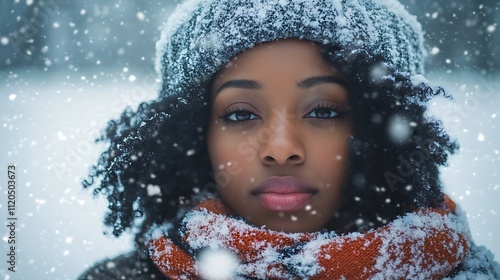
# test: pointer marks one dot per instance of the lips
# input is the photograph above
(283, 194)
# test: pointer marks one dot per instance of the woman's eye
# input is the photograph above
(240, 116)
(322, 113)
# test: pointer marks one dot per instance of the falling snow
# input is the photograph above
(141, 16)
(399, 129)
(61, 81)
(480, 137)
(218, 264)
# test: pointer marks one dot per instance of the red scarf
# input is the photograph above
(426, 244)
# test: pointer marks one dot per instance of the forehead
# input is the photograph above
(275, 57)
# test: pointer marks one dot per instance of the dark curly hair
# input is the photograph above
(157, 159)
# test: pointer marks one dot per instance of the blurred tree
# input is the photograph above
(22, 30)
(460, 34)
(75, 34)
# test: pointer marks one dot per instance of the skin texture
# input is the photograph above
(280, 123)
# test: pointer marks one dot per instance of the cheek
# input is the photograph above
(227, 163)
(330, 157)
(220, 147)
(215, 143)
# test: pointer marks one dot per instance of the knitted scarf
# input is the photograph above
(425, 244)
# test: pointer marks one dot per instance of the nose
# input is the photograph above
(283, 146)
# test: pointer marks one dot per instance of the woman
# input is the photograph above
(299, 123)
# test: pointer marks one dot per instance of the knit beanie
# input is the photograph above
(201, 36)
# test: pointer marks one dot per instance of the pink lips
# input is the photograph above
(283, 194)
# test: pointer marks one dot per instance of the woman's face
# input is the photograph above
(278, 134)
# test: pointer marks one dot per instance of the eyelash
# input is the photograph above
(338, 110)
(230, 111)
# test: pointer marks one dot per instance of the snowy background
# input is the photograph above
(67, 68)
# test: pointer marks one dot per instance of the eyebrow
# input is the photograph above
(304, 84)
(316, 81)
(244, 84)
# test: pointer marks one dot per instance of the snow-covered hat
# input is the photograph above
(201, 36)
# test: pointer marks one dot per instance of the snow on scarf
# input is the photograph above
(425, 244)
